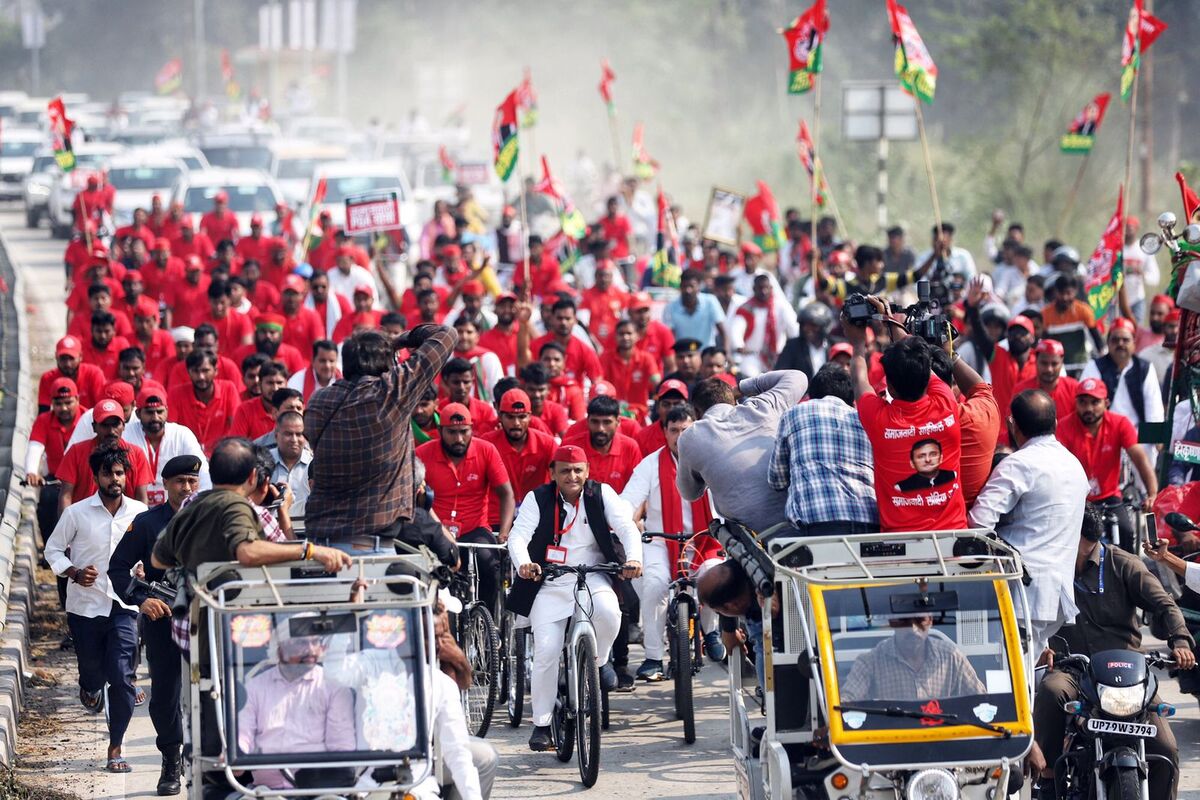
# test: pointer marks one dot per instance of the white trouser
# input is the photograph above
(708, 617)
(548, 640)
(654, 591)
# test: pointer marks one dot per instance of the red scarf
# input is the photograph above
(672, 506)
(770, 348)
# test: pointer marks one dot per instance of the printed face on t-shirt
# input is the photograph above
(926, 458)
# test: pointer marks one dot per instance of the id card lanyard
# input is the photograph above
(555, 553)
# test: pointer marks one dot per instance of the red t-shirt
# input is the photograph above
(226, 371)
(979, 420)
(567, 394)
(461, 492)
(188, 303)
(1006, 374)
(345, 325)
(616, 466)
(633, 379)
(544, 276)
(77, 301)
(1063, 394)
(604, 311)
(252, 247)
(89, 379)
(555, 416)
(303, 329)
(617, 230)
(81, 324)
(74, 469)
(658, 341)
(200, 246)
(159, 354)
(651, 437)
(504, 345)
(527, 469)
(579, 430)
(483, 416)
(219, 228)
(251, 419)
(581, 362)
(265, 297)
(1100, 455)
(907, 500)
(53, 435)
(209, 421)
(107, 358)
(156, 280)
(234, 331)
(287, 355)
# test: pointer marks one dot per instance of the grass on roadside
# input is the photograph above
(13, 789)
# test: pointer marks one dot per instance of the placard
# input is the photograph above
(375, 211)
(723, 215)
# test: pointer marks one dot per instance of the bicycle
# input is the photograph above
(475, 631)
(684, 641)
(516, 665)
(577, 708)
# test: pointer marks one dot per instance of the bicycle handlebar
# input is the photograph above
(480, 545)
(580, 570)
(647, 536)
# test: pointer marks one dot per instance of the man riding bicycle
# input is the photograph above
(574, 521)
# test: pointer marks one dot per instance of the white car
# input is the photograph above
(181, 149)
(90, 158)
(293, 163)
(347, 178)
(138, 176)
(17, 149)
(31, 114)
(37, 186)
(250, 192)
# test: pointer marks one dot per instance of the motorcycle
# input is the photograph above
(1104, 755)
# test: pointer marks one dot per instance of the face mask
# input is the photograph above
(911, 639)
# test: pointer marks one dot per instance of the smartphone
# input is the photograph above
(1151, 529)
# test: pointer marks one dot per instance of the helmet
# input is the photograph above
(993, 312)
(1065, 253)
(818, 314)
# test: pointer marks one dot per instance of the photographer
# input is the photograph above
(181, 479)
(916, 438)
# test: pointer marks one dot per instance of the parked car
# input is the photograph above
(138, 176)
(37, 186)
(250, 191)
(17, 149)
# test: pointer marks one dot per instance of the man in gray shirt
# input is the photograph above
(729, 448)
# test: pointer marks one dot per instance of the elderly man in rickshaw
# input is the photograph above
(911, 665)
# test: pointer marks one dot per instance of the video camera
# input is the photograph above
(163, 590)
(923, 318)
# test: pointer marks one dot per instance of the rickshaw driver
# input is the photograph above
(293, 707)
(911, 665)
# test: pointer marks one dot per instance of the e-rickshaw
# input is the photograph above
(346, 661)
(895, 666)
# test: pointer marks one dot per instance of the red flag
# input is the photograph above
(319, 194)
(226, 65)
(804, 39)
(913, 64)
(1081, 136)
(448, 165)
(504, 136)
(607, 76)
(762, 214)
(1191, 203)
(61, 128)
(170, 77)
(644, 166)
(527, 101)
(1105, 273)
(1141, 29)
(804, 149)
(547, 185)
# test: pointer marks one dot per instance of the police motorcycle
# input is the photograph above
(847, 714)
(346, 661)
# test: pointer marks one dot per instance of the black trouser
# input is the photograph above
(162, 657)
(631, 611)
(47, 518)
(104, 648)
(487, 565)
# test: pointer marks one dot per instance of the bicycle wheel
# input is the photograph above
(587, 719)
(517, 648)
(482, 653)
(681, 634)
(562, 723)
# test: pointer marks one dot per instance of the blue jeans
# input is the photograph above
(755, 631)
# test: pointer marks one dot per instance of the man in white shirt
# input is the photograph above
(348, 276)
(322, 372)
(654, 497)
(104, 628)
(554, 526)
(951, 260)
(1043, 489)
(761, 327)
(161, 441)
(1133, 385)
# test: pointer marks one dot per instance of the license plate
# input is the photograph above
(1139, 729)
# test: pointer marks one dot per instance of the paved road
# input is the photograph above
(62, 748)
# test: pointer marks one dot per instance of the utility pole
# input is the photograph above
(201, 82)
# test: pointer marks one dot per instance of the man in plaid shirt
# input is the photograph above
(359, 431)
(822, 459)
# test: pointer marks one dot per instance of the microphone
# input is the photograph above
(1180, 522)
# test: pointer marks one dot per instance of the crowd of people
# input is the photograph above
(221, 395)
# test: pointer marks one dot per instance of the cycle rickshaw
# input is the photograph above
(347, 660)
(847, 714)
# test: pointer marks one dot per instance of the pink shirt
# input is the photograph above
(311, 714)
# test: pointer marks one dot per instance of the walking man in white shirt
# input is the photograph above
(654, 497)
(161, 441)
(104, 628)
(555, 526)
(1043, 490)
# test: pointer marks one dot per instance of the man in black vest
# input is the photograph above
(1133, 386)
(181, 479)
(571, 520)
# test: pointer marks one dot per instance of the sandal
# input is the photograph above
(139, 696)
(92, 701)
(118, 765)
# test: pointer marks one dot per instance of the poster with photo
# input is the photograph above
(724, 213)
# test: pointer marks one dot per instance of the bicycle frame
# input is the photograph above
(579, 628)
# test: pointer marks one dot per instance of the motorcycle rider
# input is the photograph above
(1110, 585)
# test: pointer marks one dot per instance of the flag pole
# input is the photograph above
(833, 206)
(937, 210)
(1066, 213)
(1132, 132)
(616, 141)
(524, 217)
(815, 183)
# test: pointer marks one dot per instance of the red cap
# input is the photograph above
(1122, 324)
(145, 308)
(162, 243)
(451, 250)
(1133, 222)
(842, 349)
(640, 300)
(193, 263)
(69, 346)
(365, 288)
(346, 250)
(1162, 300)
(64, 387)
(1175, 315)
(672, 385)
(152, 397)
(120, 391)
(221, 197)
(515, 401)
(108, 409)
(506, 296)
(364, 319)
(1051, 347)
(1022, 321)
(93, 181)
(256, 219)
(751, 248)
(726, 377)
(509, 210)
(473, 289)
(294, 283)
(455, 414)
(570, 454)
(603, 389)
(132, 275)
(99, 248)
(1092, 387)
